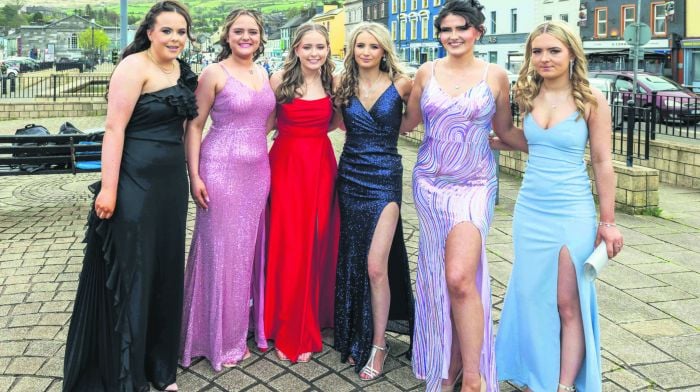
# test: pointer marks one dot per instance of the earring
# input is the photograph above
(571, 69)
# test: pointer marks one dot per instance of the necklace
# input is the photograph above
(369, 90)
(172, 68)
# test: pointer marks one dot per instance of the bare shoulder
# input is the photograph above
(403, 85)
(126, 70)
(276, 79)
(496, 71)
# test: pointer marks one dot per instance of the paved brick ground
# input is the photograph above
(649, 305)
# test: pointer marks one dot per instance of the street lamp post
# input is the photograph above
(92, 34)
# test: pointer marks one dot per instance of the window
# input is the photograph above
(424, 4)
(368, 13)
(601, 22)
(414, 4)
(547, 18)
(73, 41)
(424, 26)
(402, 29)
(658, 13)
(564, 17)
(436, 31)
(493, 57)
(393, 6)
(374, 11)
(513, 20)
(436, 3)
(382, 10)
(393, 30)
(628, 16)
(414, 28)
(493, 22)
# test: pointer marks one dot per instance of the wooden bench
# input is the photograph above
(50, 154)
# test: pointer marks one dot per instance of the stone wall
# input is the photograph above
(678, 163)
(72, 107)
(637, 187)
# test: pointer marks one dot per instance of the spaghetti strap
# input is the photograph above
(486, 71)
(225, 70)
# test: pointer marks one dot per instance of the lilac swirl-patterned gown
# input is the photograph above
(225, 269)
(454, 181)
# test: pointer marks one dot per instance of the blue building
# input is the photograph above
(411, 26)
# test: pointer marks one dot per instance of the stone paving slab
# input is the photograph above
(648, 297)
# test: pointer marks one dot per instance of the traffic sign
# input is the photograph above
(636, 52)
(631, 34)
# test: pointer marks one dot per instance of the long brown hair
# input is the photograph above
(230, 19)
(292, 77)
(529, 81)
(349, 82)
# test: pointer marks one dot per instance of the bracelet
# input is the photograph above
(607, 224)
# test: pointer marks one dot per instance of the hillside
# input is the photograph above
(138, 7)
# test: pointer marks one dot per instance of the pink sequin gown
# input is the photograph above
(224, 279)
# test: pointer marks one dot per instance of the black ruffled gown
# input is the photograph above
(369, 178)
(125, 328)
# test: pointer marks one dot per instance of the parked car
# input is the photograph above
(8, 70)
(409, 69)
(673, 102)
(607, 87)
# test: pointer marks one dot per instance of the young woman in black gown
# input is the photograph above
(372, 277)
(125, 328)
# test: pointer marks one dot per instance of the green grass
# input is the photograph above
(217, 7)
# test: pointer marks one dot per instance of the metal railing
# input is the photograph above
(53, 86)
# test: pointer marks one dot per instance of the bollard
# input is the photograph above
(630, 131)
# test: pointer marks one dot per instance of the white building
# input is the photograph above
(508, 24)
(353, 17)
(563, 10)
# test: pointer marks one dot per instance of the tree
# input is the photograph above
(101, 40)
(37, 18)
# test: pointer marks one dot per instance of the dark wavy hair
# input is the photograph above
(141, 41)
(470, 10)
(230, 19)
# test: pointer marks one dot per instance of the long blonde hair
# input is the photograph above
(349, 82)
(529, 81)
(292, 77)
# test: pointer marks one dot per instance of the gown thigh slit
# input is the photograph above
(454, 181)
(369, 180)
(554, 210)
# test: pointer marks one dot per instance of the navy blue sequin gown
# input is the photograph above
(369, 178)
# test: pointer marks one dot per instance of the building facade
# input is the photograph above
(562, 10)
(690, 46)
(333, 18)
(412, 30)
(376, 11)
(353, 17)
(59, 39)
(603, 25)
(507, 24)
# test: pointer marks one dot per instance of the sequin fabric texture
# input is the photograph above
(369, 178)
(225, 269)
(454, 181)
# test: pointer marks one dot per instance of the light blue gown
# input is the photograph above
(554, 209)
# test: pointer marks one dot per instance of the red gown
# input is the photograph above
(304, 228)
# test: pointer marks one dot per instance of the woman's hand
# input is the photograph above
(612, 237)
(199, 192)
(105, 203)
(497, 144)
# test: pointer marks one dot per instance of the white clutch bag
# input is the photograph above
(596, 261)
